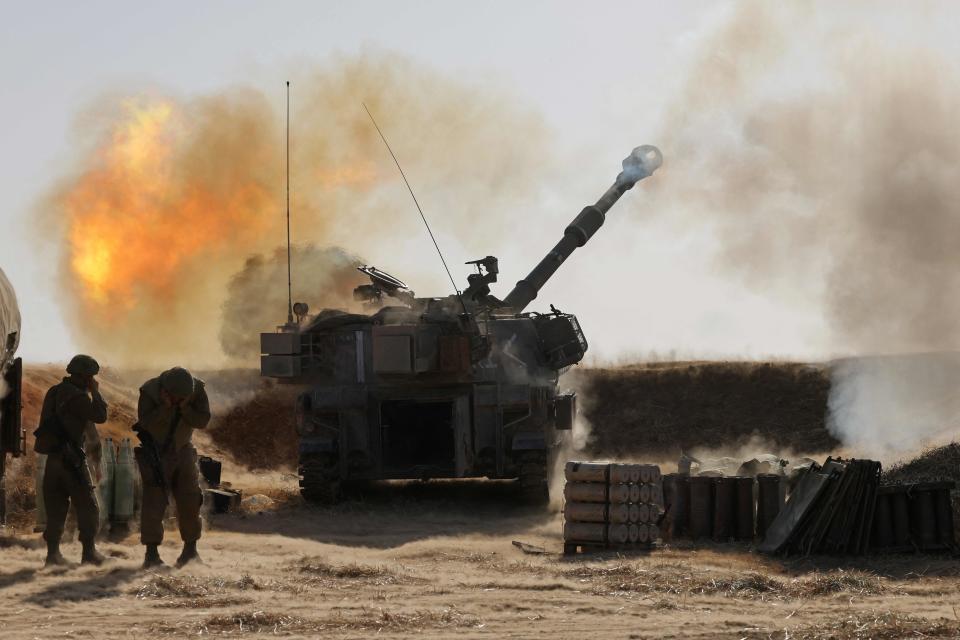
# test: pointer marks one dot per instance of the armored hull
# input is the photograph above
(462, 386)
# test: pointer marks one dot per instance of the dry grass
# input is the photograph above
(658, 409)
(873, 626)
(687, 581)
(163, 586)
(256, 622)
(320, 570)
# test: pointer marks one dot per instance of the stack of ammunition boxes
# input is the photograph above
(611, 506)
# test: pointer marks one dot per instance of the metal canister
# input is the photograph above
(643, 513)
(634, 533)
(900, 515)
(944, 509)
(724, 508)
(923, 518)
(585, 492)
(41, 524)
(701, 507)
(643, 533)
(645, 493)
(635, 513)
(124, 484)
(108, 463)
(618, 533)
(618, 493)
(618, 513)
(620, 473)
(746, 508)
(585, 512)
(768, 501)
(680, 506)
(584, 532)
(882, 531)
(586, 472)
(636, 494)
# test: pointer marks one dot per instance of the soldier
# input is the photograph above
(171, 406)
(66, 433)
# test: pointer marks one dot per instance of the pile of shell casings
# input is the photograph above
(611, 505)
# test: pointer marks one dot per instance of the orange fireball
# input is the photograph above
(147, 210)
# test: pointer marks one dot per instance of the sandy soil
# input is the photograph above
(436, 560)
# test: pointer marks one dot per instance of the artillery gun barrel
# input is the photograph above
(642, 162)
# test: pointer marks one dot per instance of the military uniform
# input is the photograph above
(171, 406)
(78, 410)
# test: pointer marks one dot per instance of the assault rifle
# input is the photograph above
(152, 456)
(153, 452)
(73, 454)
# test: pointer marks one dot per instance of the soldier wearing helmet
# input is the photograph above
(171, 406)
(68, 435)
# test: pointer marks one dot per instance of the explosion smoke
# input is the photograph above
(172, 196)
(825, 156)
(325, 278)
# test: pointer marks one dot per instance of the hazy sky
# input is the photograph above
(596, 72)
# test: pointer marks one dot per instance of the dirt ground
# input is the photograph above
(436, 560)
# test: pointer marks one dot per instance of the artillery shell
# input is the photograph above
(649, 473)
(644, 473)
(643, 513)
(620, 473)
(585, 512)
(634, 533)
(585, 492)
(634, 513)
(619, 513)
(619, 493)
(584, 532)
(644, 491)
(656, 494)
(635, 493)
(635, 473)
(643, 533)
(586, 472)
(618, 533)
(653, 531)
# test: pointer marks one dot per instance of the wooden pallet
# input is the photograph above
(574, 548)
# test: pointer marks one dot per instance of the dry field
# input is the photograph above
(436, 560)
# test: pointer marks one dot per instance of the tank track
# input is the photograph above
(319, 479)
(533, 483)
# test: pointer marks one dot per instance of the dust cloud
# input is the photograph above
(168, 196)
(819, 145)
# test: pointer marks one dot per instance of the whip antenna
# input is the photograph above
(289, 267)
(412, 195)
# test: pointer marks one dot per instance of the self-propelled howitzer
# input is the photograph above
(452, 387)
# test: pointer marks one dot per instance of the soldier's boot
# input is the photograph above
(152, 557)
(189, 554)
(90, 555)
(54, 557)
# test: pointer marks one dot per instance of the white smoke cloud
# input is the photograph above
(819, 144)
(886, 406)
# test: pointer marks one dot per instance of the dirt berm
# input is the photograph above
(660, 408)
